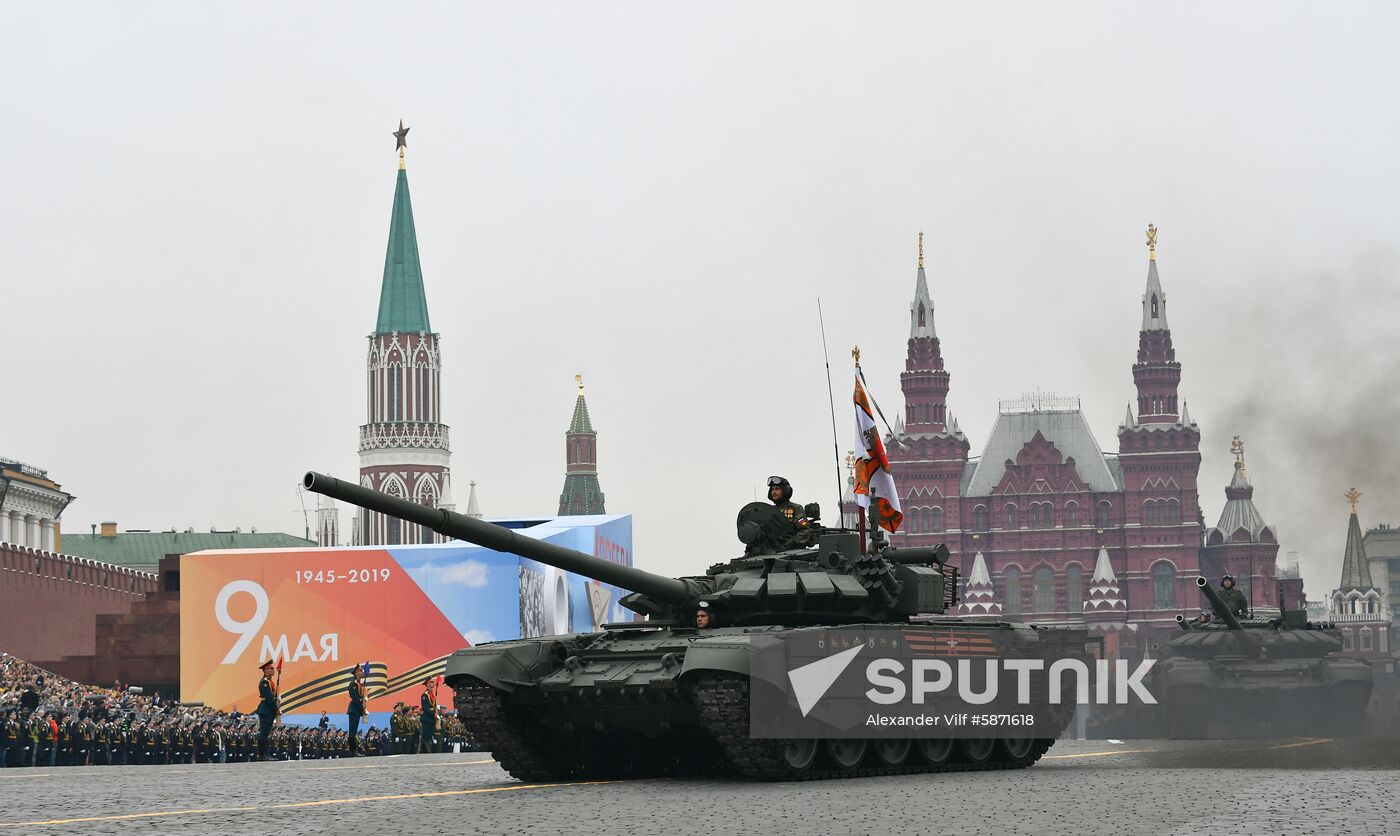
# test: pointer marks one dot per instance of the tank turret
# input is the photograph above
(790, 574)
(1223, 613)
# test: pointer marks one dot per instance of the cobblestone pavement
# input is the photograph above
(1147, 787)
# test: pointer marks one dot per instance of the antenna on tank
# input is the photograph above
(831, 399)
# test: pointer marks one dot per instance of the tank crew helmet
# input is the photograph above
(780, 482)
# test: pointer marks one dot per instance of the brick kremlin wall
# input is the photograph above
(49, 603)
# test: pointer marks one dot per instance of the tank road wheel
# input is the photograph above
(937, 751)
(891, 752)
(798, 754)
(1016, 748)
(846, 754)
(978, 751)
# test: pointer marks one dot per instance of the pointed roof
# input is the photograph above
(1105, 596)
(921, 309)
(1356, 570)
(1130, 421)
(445, 501)
(580, 422)
(979, 596)
(403, 307)
(1103, 569)
(1240, 511)
(473, 509)
(1154, 301)
(979, 575)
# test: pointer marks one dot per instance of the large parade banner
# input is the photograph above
(402, 609)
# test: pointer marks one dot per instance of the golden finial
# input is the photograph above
(921, 251)
(1151, 242)
(855, 353)
(1237, 448)
(1353, 495)
(578, 378)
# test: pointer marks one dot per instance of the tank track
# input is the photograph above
(481, 711)
(722, 701)
(543, 756)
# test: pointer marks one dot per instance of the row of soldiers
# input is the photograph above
(43, 738)
(406, 735)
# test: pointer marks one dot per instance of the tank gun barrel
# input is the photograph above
(1183, 623)
(502, 539)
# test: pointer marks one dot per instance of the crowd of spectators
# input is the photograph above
(46, 720)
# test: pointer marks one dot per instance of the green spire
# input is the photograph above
(402, 305)
(580, 422)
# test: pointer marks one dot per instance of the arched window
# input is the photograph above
(1163, 586)
(1044, 590)
(935, 519)
(1347, 643)
(1173, 512)
(1154, 306)
(1103, 514)
(1013, 591)
(921, 314)
(980, 515)
(916, 521)
(1010, 515)
(1158, 442)
(394, 526)
(1071, 514)
(1074, 588)
(1149, 512)
(1365, 637)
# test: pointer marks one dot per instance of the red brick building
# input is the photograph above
(1054, 519)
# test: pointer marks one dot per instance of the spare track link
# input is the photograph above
(722, 701)
(480, 709)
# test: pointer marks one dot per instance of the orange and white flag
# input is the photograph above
(875, 489)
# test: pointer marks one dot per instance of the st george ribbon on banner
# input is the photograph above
(875, 489)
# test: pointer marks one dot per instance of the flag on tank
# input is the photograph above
(875, 490)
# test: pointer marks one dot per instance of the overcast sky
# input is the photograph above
(196, 207)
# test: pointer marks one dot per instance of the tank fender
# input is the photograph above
(731, 654)
(506, 664)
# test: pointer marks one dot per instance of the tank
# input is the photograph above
(1259, 677)
(659, 696)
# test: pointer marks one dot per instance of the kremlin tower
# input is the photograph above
(403, 443)
(582, 494)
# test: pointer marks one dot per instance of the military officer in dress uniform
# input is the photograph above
(356, 709)
(268, 708)
(427, 709)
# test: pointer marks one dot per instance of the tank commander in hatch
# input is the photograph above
(780, 494)
(703, 618)
(1234, 600)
